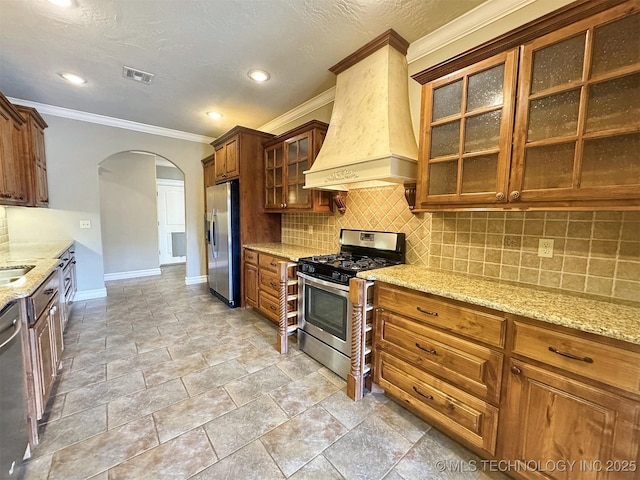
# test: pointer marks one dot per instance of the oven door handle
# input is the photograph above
(309, 280)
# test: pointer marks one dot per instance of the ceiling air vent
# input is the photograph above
(137, 75)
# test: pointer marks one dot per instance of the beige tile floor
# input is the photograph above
(162, 381)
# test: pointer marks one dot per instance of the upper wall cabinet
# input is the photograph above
(226, 159)
(32, 136)
(574, 136)
(286, 157)
(209, 170)
(13, 183)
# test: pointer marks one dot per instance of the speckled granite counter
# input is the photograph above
(603, 318)
(286, 250)
(44, 257)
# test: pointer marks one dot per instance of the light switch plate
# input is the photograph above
(85, 223)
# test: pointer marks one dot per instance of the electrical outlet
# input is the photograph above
(545, 248)
(85, 223)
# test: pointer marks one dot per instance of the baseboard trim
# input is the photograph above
(132, 274)
(195, 280)
(89, 294)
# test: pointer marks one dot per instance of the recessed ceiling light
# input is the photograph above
(215, 115)
(62, 3)
(73, 78)
(258, 75)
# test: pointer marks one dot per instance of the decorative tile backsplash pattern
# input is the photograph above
(4, 229)
(594, 252)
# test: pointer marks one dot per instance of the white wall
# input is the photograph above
(74, 150)
(128, 213)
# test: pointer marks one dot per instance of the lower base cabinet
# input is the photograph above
(547, 402)
(557, 422)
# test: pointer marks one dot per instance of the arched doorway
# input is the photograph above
(128, 183)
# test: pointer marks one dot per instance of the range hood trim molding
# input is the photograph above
(390, 37)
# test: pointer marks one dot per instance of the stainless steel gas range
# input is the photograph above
(324, 309)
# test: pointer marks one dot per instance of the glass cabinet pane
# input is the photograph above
(270, 158)
(447, 100)
(278, 173)
(443, 178)
(482, 132)
(302, 195)
(445, 139)
(303, 148)
(279, 156)
(292, 173)
(292, 196)
(292, 153)
(302, 166)
(616, 45)
(558, 64)
(485, 89)
(611, 161)
(271, 196)
(549, 167)
(554, 116)
(479, 174)
(270, 178)
(614, 103)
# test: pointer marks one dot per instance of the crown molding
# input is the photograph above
(111, 121)
(301, 110)
(481, 16)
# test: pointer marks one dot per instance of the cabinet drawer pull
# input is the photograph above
(49, 291)
(422, 310)
(273, 285)
(500, 196)
(428, 397)
(272, 308)
(273, 264)
(571, 355)
(515, 370)
(430, 351)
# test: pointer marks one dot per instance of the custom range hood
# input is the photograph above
(370, 141)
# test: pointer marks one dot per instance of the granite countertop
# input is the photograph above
(44, 257)
(610, 319)
(286, 250)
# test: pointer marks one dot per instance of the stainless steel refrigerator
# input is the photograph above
(222, 226)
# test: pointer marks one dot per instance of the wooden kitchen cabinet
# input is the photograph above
(209, 171)
(34, 159)
(286, 157)
(420, 359)
(550, 417)
(251, 278)
(468, 120)
(270, 290)
(573, 139)
(13, 176)
(227, 165)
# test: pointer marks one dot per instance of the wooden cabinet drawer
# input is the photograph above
(270, 284)
(473, 368)
(269, 306)
(251, 256)
(439, 402)
(605, 363)
(269, 262)
(44, 294)
(476, 324)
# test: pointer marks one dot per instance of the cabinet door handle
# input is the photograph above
(428, 397)
(285, 205)
(571, 355)
(500, 196)
(430, 351)
(422, 310)
(515, 370)
(515, 195)
(49, 291)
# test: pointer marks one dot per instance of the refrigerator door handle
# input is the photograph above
(214, 243)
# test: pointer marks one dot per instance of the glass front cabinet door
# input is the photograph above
(467, 132)
(577, 131)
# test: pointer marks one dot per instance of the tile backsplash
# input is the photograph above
(4, 229)
(594, 252)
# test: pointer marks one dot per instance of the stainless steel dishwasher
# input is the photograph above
(13, 417)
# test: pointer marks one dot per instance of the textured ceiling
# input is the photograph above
(199, 50)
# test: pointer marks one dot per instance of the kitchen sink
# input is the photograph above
(14, 273)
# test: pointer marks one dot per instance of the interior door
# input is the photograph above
(171, 229)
